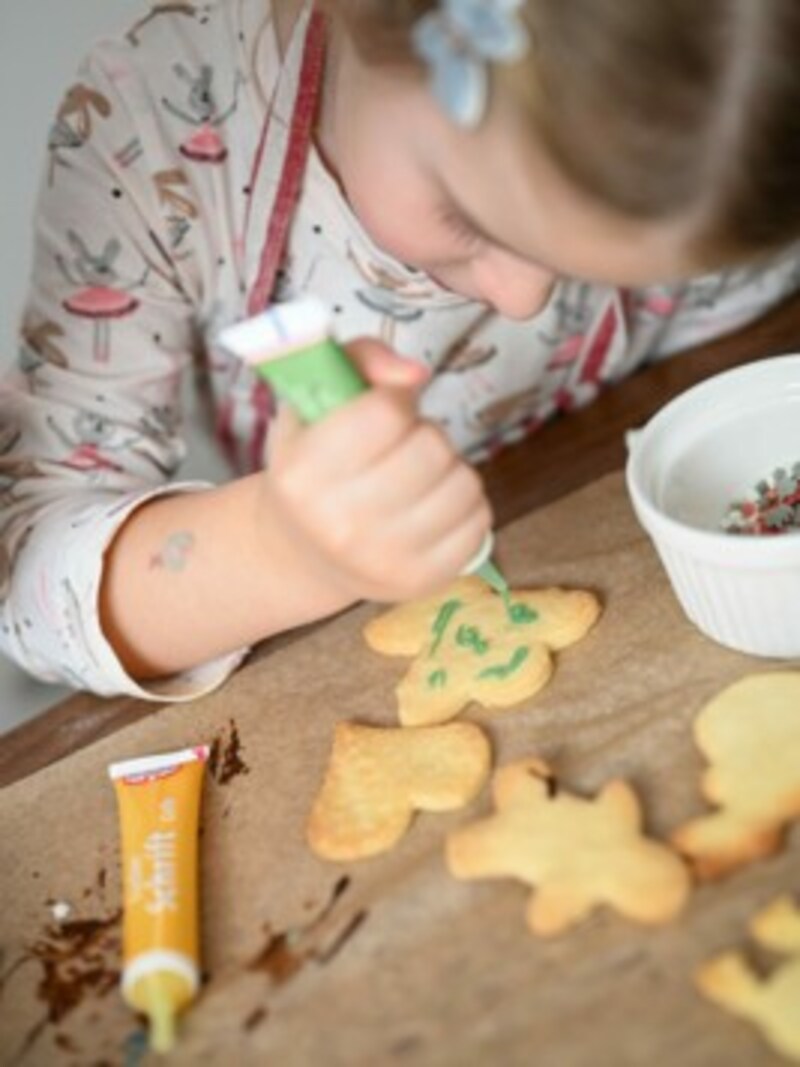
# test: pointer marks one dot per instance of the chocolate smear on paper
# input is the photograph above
(73, 957)
(74, 961)
(286, 952)
(255, 1018)
(225, 760)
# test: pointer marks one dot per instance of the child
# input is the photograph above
(510, 195)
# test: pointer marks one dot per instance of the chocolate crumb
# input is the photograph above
(550, 782)
(337, 946)
(101, 878)
(255, 1018)
(286, 953)
(65, 1043)
(213, 757)
(341, 887)
(278, 960)
(232, 762)
(225, 759)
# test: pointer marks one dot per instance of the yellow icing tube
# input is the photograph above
(159, 808)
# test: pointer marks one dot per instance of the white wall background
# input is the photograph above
(41, 44)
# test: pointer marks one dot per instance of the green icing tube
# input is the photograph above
(315, 380)
(290, 347)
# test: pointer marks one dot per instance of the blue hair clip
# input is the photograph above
(457, 41)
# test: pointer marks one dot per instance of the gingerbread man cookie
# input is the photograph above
(773, 1003)
(750, 734)
(577, 853)
(470, 644)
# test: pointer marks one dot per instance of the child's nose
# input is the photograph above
(515, 287)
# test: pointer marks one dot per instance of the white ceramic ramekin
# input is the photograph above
(705, 449)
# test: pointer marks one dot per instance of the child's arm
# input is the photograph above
(371, 502)
(129, 249)
(714, 306)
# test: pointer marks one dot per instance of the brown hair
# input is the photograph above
(654, 107)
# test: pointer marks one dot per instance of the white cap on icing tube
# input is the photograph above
(481, 556)
(282, 328)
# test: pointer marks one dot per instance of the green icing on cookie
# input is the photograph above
(503, 670)
(471, 637)
(520, 613)
(442, 621)
(437, 679)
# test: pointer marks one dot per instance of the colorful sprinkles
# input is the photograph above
(774, 509)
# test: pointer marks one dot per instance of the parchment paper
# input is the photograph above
(391, 961)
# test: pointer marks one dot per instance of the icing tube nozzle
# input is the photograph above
(482, 565)
(290, 347)
(159, 1007)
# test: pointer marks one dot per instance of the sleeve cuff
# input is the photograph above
(64, 566)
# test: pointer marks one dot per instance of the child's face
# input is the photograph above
(485, 213)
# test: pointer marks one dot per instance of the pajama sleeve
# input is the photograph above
(720, 304)
(90, 419)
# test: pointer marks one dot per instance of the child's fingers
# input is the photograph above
(449, 555)
(379, 365)
(359, 433)
(393, 570)
(407, 473)
(456, 500)
(349, 440)
(283, 430)
(368, 526)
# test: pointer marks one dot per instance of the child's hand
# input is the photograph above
(375, 497)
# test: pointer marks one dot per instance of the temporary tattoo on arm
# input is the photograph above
(174, 556)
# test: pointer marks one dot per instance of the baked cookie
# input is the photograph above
(470, 644)
(377, 778)
(773, 1004)
(750, 735)
(577, 853)
(777, 926)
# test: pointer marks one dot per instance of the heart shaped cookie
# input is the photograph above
(378, 778)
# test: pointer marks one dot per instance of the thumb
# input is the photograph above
(380, 365)
(283, 429)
